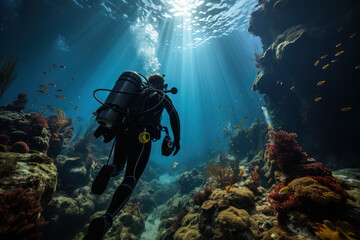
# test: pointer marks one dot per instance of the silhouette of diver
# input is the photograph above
(133, 146)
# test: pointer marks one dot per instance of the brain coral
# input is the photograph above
(234, 219)
(309, 188)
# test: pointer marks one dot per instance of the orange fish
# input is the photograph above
(216, 141)
(339, 53)
(41, 91)
(270, 180)
(338, 45)
(51, 84)
(320, 83)
(345, 109)
(73, 78)
(56, 135)
(225, 154)
(60, 96)
(316, 63)
(271, 127)
(241, 172)
(323, 57)
(318, 99)
(55, 65)
(55, 139)
(325, 67)
(334, 61)
(237, 127)
(72, 103)
(76, 107)
(246, 117)
(44, 86)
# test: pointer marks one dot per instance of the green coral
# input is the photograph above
(309, 188)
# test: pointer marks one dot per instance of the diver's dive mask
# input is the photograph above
(167, 146)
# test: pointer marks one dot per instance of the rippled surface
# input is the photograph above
(204, 20)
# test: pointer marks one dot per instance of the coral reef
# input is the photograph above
(189, 180)
(254, 181)
(18, 104)
(202, 196)
(20, 147)
(284, 149)
(283, 203)
(20, 215)
(340, 230)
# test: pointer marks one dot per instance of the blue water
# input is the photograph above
(204, 50)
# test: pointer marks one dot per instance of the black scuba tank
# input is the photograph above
(130, 84)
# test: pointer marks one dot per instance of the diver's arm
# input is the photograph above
(174, 121)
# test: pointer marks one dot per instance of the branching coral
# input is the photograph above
(221, 174)
(37, 121)
(18, 104)
(254, 180)
(7, 75)
(202, 196)
(339, 231)
(20, 215)
(284, 149)
(283, 203)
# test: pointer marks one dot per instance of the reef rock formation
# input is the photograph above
(311, 52)
(35, 172)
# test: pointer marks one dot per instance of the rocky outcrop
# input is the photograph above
(311, 52)
(190, 180)
(34, 172)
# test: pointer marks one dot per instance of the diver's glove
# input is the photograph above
(176, 145)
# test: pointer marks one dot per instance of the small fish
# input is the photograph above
(55, 65)
(41, 91)
(227, 188)
(226, 175)
(51, 84)
(56, 135)
(44, 86)
(76, 107)
(271, 127)
(69, 141)
(320, 83)
(60, 96)
(323, 57)
(199, 154)
(59, 90)
(357, 67)
(316, 63)
(241, 171)
(73, 78)
(219, 108)
(334, 61)
(225, 154)
(284, 190)
(62, 66)
(45, 73)
(55, 139)
(318, 99)
(339, 53)
(270, 180)
(346, 109)
(338, 45)
(216, 141)
(79, 96)
(246, 117)
(242, 120)
(72, 103)
(81, 138)
(237, 127)
(325, 67)
(292, 88)
(352, 35)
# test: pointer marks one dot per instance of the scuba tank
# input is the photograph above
(113, 113)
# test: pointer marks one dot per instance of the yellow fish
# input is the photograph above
(55, 139)
(192, 211)
(271, 127)
(225, 154)
(339, 53)
(318, 99)
(320, 83)
(316, 63)
(323, 57)
(270, 180)
(227, 188)
(216, 141)
(284, 190)
(292, 88)
(231, 175)
(334, 61)
(345, 109)
(72, 103)
(325, 67)
(55, 134)
(226, 175)
(199, 154)
(338, 45)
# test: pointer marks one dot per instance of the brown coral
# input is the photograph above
(20, 147)
(309, 188)
(234, 219)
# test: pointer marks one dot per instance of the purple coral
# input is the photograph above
(284, 149)
(38, 121)
(19, 215)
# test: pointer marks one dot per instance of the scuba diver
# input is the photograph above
(132, 115)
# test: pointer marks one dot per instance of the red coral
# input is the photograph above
(20, 147)
(310, 169)
(4, 139)
(254, 180)
(284, 149)
(283, 203)
(201, 197)
(332, 184)
(38, 121)
(19, 215)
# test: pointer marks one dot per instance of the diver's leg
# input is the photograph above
(137, 160)
(121, 151)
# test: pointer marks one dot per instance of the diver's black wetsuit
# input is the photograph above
(128, 148)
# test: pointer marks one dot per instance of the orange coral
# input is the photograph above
(340, 231)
